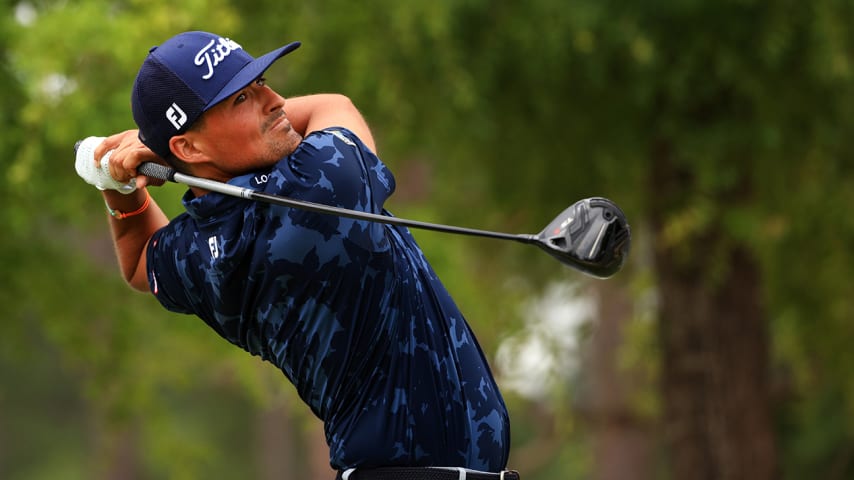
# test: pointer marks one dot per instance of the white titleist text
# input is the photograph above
(213, 53)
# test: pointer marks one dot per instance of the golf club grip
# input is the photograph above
(155, 170)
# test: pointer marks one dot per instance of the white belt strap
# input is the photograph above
(461, 472)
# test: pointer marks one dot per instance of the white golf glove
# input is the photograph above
(92, 174)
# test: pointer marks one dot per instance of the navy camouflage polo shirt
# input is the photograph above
(349, 310)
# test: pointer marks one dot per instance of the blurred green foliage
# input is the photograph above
(514, 110)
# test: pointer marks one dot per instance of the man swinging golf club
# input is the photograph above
(350, 310)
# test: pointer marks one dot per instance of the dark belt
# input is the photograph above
(424, 473)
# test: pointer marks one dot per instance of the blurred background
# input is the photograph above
(722, 351)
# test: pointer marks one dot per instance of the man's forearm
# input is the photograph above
(316, 112)
(132, 233)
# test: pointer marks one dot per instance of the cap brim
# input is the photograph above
(250, 72)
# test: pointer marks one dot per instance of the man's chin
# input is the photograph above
(287, 145)
(293, 141)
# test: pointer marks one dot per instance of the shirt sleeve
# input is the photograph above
(168, 277)
(334, 167)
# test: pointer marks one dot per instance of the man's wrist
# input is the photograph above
(121, 206)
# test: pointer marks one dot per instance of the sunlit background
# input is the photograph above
(722, 350)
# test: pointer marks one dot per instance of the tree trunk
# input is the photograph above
(276, 452)
(714, 343)
(715, 376)
(118, 453)
(715, 373)
(622, 441)
(318, 452)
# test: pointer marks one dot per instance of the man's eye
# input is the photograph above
(240, 98)
(261, 81)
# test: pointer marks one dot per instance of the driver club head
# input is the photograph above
(592, 236)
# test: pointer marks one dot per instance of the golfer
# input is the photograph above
(350, 311)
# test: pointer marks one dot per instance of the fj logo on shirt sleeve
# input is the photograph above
(177, 116)
(214, 246)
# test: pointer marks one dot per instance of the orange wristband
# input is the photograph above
(118, 215)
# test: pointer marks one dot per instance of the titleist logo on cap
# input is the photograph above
(214, 53)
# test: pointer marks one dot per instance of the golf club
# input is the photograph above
(591, 236)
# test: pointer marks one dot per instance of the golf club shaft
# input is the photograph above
(162, 172)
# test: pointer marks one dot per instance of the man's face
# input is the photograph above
(247, 131)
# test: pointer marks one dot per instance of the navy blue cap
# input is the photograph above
(185, 76)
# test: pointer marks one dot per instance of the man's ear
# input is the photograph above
(184, 148)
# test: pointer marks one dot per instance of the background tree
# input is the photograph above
(720, 127)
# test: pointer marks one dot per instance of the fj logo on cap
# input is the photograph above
(176, 116)
(213, 53)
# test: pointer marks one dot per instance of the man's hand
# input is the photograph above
(94, 173)
(127, 153)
